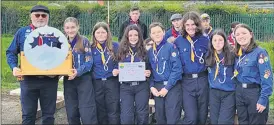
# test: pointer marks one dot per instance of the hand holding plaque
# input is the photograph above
(46, 52)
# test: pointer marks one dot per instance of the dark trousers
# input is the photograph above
(195, 100)
(44, 89)
(168, 108)
(222, 106)
(246, 101)
(80, 100)
(107, 100)
(134, 100)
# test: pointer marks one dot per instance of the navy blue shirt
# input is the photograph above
(82, 60)
(136, 58)
(17, 45)
(169, 64)
(223, 79)
(255, 68)
(104, 71)
(201, 48)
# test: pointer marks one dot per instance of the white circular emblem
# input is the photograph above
(174, 54)
(46, 48)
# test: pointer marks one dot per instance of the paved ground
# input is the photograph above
(11, 112)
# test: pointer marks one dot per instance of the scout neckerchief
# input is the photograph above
(133, 22)
(193, 52)
(32, 27)
(240, 54)
(101, 50)
(210, 29)
(156, 51)
(40, 40)
(132, 54)
(73, 42)
(218, 61)
(174, 32)
(192, 47)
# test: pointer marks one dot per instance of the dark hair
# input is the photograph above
(227, 50)
(124, 44)
(147, 40)
(197, 21)
(134, 9)
(109, 37)
(233, 25)
(252, 44)
(79, 44)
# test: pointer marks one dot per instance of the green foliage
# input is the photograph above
(24, 15)
(176, 8)
(16, 14)
(57, 18)
(269, 46)
(72, 10)
(221, 9)
(6, 72)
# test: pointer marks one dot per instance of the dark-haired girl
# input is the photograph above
(134, 95)
(220, 60)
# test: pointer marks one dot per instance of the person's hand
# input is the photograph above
(154, 91)
(115, 72)
(15, 72)
(163, 92)
(171, 39)
(73, 75)
(260, 108)
(147, 73)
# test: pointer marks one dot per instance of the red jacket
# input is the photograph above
(231, 39)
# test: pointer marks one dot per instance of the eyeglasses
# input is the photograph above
(42, 15)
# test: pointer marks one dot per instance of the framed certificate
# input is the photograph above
(132, 71)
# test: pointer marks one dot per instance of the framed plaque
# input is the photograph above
(46, 52)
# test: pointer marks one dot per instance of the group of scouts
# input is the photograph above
(190, 68)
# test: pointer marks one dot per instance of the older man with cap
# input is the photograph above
(33, 88)
(175, 30)
(208, 30)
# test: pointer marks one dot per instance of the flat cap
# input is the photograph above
(205, 16)
(176, 16)
(39, 8)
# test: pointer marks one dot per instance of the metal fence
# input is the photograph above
(262, 24)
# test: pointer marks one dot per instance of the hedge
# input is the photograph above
(16, 14)
(74, 9)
